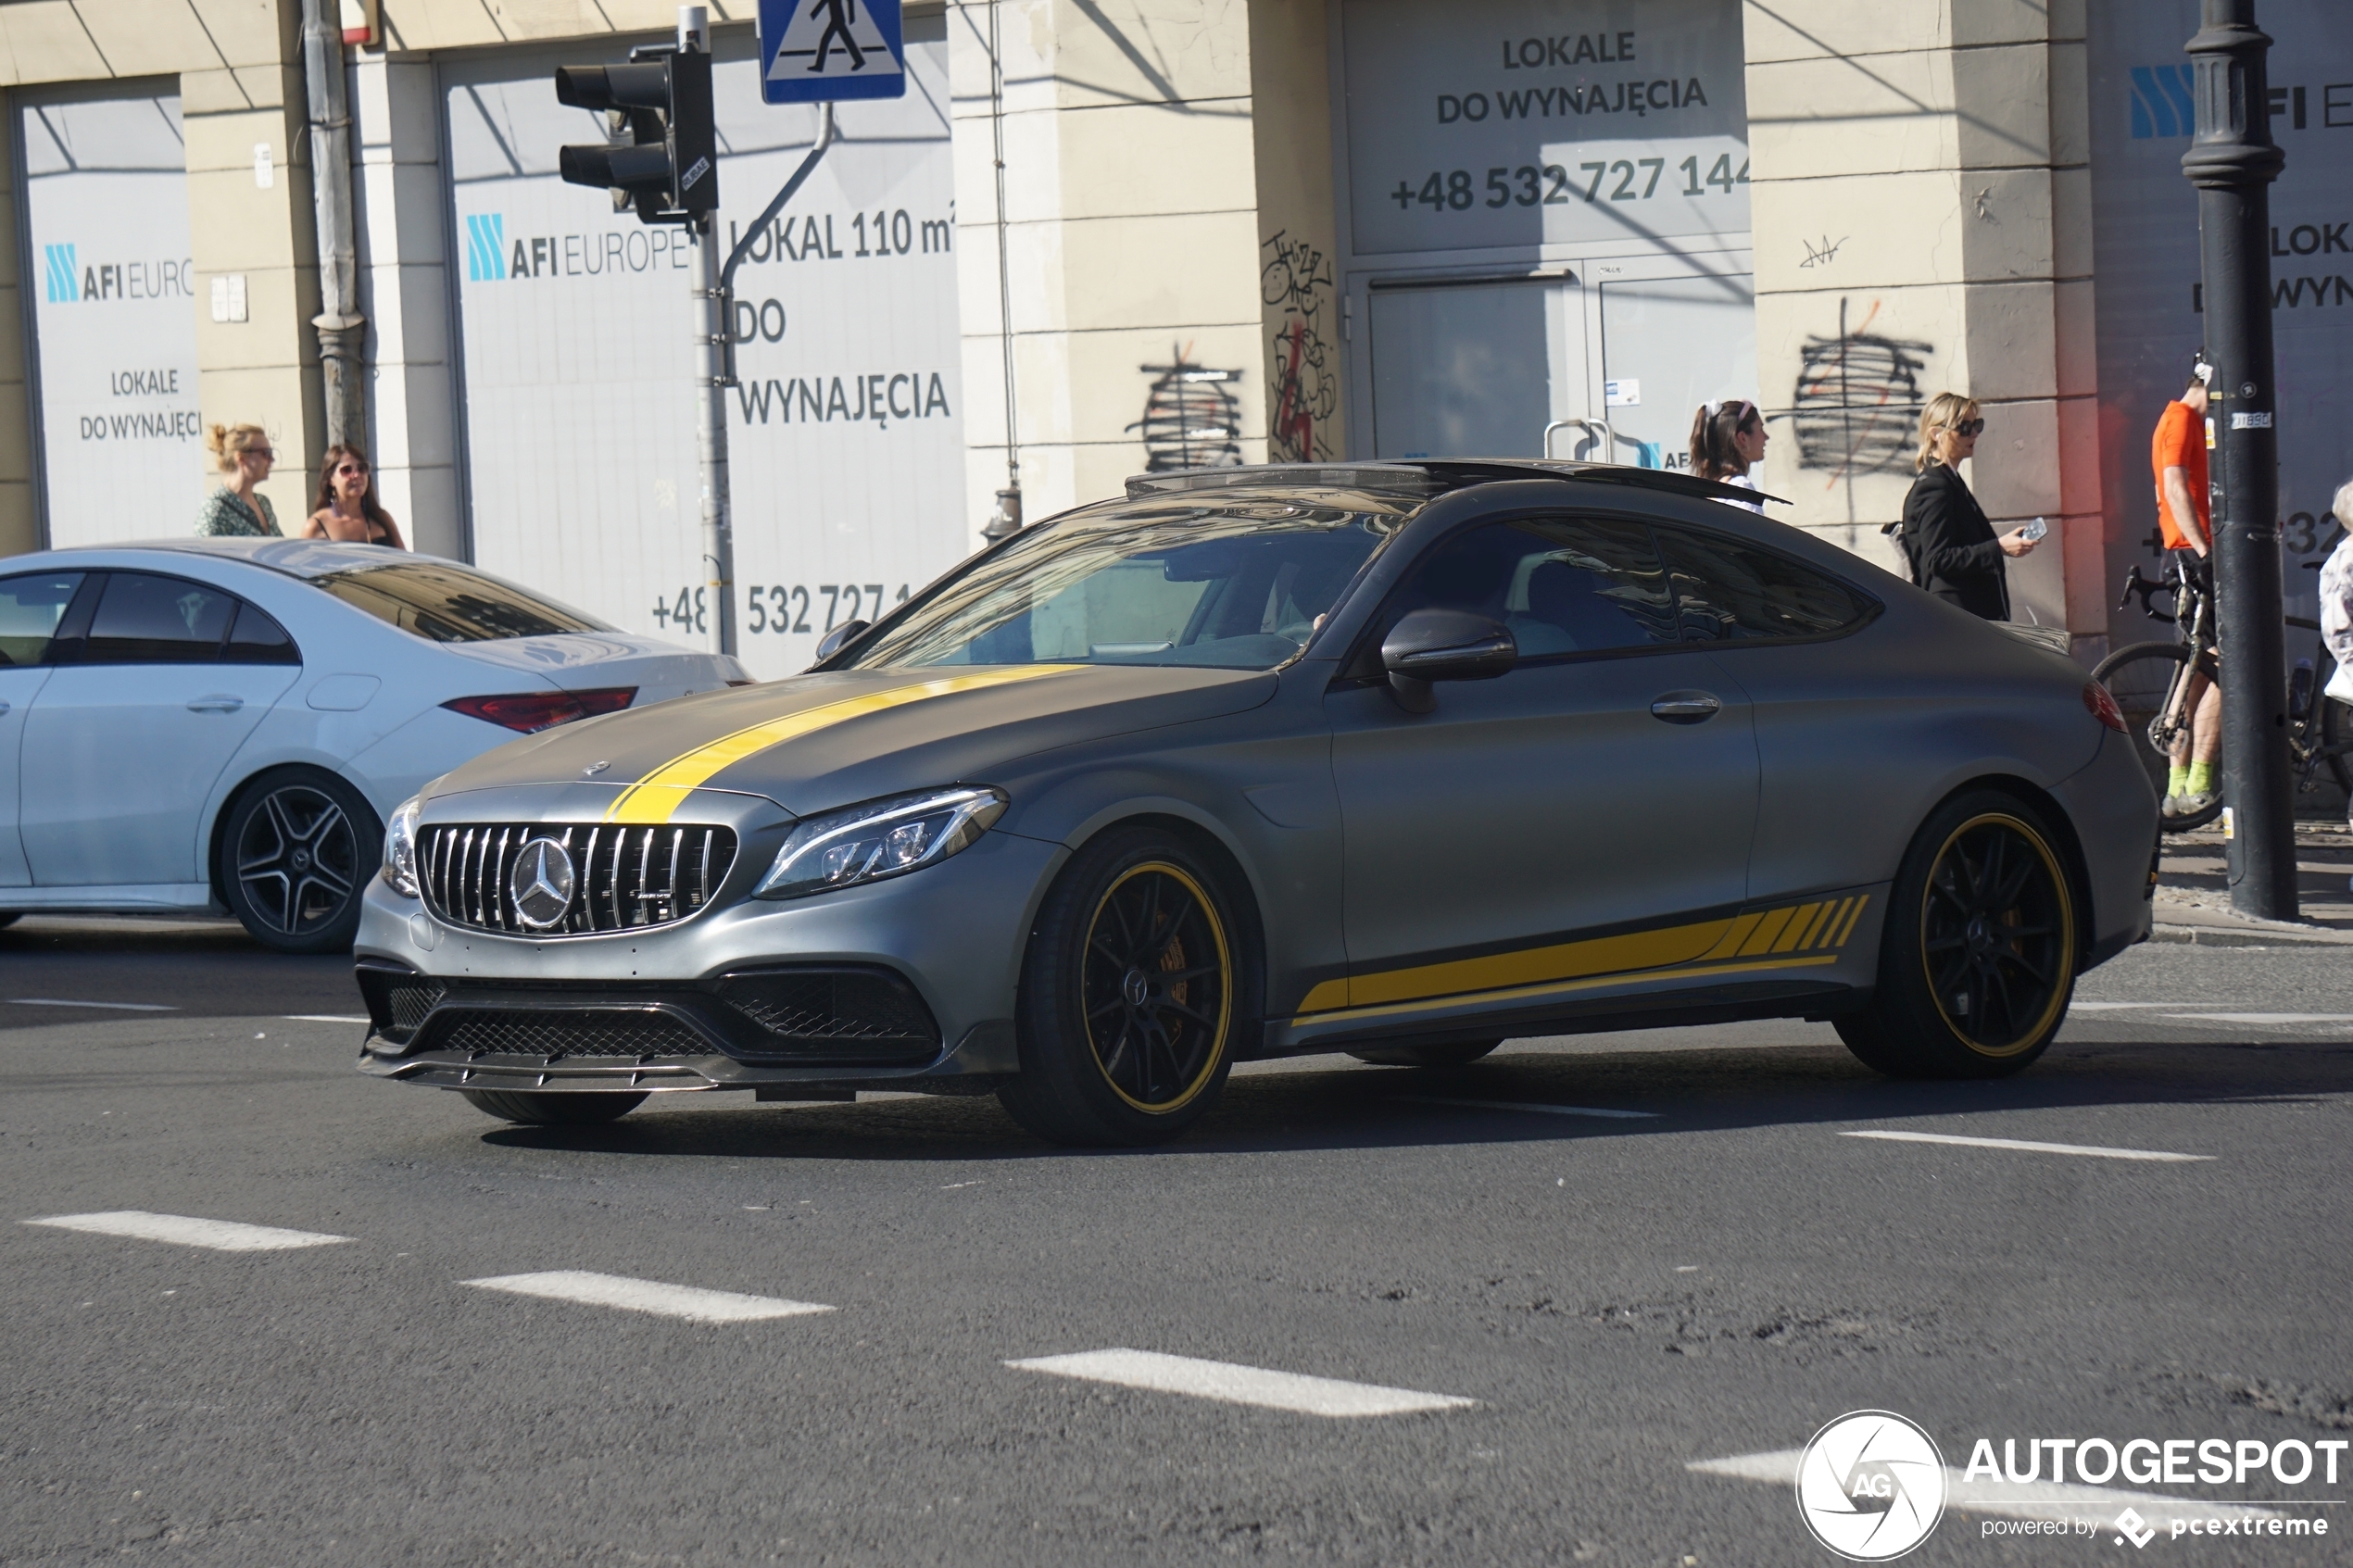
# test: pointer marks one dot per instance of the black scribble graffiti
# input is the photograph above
(1858, 400)
(1300, 372)
(1826, 253)
(1191, 420)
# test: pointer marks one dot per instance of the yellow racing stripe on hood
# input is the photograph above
(655, 798)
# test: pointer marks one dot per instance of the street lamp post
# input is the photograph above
(2233, 162)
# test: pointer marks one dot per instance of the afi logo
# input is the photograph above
(485, 247)
(2161, 106)
(64, 280)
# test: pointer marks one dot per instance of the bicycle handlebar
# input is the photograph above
(2137, 584)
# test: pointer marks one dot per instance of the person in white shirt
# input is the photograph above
(2336, 598)
(1728, 441)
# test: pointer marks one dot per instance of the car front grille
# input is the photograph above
(619, 878)
(572, 1032)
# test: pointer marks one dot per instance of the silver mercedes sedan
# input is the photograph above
(1395, 760)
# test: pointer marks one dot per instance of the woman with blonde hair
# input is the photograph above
(237, 510)
(1954, 551)
(346, 510)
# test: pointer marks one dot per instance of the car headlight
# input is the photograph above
(400, 850)
(881, 838)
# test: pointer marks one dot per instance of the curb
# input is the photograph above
(2223, 936)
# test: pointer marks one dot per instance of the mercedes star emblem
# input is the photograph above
(543, 884)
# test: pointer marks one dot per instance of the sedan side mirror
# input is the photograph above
(1444, 644)
(839, 638)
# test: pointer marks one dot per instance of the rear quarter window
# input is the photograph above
(1729, 590)
(448, 604)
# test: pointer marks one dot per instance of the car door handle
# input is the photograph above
(1686, 707)
(217, 704)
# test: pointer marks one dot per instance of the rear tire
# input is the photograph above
(2138, 678)
(1460, 1053)
(552, 1111)
(296, 852)
(1137, 985)
(1977, 962)
(9, 918)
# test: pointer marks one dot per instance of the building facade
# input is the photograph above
(1102, 236)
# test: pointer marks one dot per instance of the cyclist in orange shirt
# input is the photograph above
(2177, 457)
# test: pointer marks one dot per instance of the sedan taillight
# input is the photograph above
(2103, 706)
(529, 712)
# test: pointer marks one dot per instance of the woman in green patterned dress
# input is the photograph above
(237, 510)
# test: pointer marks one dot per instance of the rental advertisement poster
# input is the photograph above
(579, 415)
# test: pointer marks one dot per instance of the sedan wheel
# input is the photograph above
(1133, 996)
(552, 1111)
(1452, 1053)
(298, 849)
(1977, 964)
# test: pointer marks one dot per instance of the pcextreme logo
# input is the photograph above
(1870, 1486)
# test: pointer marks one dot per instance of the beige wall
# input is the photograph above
(1131, 224)
(1921, 223)
(1298, 326)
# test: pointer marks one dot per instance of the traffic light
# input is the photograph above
(670, 172)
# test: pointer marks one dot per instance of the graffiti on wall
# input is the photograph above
(1857, 406)
(1191, 418)
(1303, 374)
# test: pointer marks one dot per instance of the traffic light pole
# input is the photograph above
(714, 346)
(2233, 162)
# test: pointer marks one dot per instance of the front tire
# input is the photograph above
(295, 853)
(1136, 986)
(1977, 962)
(552, 1111)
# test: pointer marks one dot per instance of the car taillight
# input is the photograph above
(529, 712)
(2103, 705)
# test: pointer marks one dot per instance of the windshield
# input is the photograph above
(449, 603)
(1236, 582)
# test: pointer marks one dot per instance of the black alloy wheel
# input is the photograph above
(295, 853)
(575, 1110)
(1978, 958)
(1452, 1053)
(1134, 993)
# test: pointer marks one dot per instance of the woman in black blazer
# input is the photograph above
(1956, 554)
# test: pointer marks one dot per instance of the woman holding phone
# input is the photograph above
(1956, 554)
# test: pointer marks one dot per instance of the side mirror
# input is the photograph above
(836, 640)
(1444, 644)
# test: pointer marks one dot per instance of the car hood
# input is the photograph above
(815, 742)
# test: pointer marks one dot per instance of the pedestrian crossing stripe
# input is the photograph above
(832, 38)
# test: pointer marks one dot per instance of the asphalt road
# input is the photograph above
(1621, 1297)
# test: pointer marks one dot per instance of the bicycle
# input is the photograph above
(2149, 682)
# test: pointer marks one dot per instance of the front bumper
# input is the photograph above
(909, 981)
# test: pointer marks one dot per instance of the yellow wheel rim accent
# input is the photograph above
(2004, 938)
(1194, 948)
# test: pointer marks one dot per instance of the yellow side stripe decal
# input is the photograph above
(1523, 993)
(656, 797)
(1681, 949)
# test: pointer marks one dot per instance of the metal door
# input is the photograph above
(1668, 346)
(1476, 369)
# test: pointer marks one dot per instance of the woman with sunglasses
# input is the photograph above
(346, 510)
(1728, 440)
(1954, 552)
(237, 510)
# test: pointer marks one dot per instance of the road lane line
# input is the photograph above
(2093, 1151)
(1237, 1384)
(2029, 1499)
(2264, 1017)
(221, 1236)
(1526, 1104)
(111, 1007)
(649, 1296)
(322, 1017)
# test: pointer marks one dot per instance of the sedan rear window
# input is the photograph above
(448, 604)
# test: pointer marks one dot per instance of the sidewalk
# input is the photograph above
(2194, 899)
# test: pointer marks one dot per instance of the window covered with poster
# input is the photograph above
(577, 397)
(2146, 250)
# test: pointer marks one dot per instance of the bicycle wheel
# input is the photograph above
(2141, 678)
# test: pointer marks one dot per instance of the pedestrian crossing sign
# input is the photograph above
(815, 50)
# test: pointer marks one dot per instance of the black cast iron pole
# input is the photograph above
(2233, 162)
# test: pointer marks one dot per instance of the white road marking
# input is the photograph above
(322, 1017)
(1526, 1104)
(649, 1296)
(2264, 1017)
(111, 1007)
(2093, 1151)
(2115, 1006)
(221, 1236)
(2031, 1499)
(1237, 1384)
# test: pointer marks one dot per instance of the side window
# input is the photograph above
(148, 620)
(1566, 585)
(258, 639)
(1726, 591)
(31, 608)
